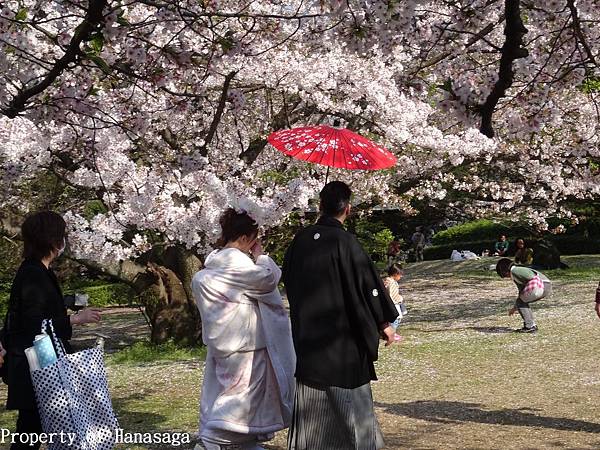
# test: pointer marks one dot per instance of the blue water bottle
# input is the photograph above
(44, 349)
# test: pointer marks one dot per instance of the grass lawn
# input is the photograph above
(460, 380)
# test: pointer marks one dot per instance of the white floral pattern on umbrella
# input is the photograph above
(333, 147)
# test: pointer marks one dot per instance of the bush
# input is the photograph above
(278, 239)
(479, 230)
(374, 237)
(101, 293)
(444, 251)
(576, 245)
(566, 245)
(4, 296)
(10, 258)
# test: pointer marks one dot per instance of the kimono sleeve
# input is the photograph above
(370, 305)
(263, 276)
(36, 297)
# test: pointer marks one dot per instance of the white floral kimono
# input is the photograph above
(248, 388)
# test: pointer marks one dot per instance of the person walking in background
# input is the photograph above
(35, 296)
(429, 233)
(501, 246)
(532, 286)
(248, 391)
(418, 243)
(339, 310)
(523, 254)
(391, 284)
(393, 251)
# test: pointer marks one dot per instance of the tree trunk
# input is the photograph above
(162, 280)
(175, 315)
(171, 314)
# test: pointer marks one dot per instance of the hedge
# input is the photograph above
(444, 251)
(478, 230)
(577, 245)
(483, 229)
(107, 294)
(566, 245)
(101, 295)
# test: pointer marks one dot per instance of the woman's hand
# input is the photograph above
(86, 315)
(257, 249)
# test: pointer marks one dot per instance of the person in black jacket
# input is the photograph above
(339, 310)
(36, 295)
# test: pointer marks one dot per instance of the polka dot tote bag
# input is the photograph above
(72, 397)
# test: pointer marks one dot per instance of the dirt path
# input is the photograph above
(120, 327)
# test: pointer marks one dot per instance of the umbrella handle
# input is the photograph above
(327, 175)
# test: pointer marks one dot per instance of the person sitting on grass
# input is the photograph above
(391, 285)
(524, 254)
(501, 247)
(532, 286)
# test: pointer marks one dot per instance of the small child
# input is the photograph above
(532, 286)
(391, 284)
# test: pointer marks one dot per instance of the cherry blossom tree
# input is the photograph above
(153, 116)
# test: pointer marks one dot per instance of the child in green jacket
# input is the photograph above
(532, 286)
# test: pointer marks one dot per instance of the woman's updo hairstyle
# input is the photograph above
(235, 225)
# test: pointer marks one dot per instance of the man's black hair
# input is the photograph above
(335, 197)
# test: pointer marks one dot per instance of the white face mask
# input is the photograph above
(62, 249)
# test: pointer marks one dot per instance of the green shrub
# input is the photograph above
(566, 245)
(576, 245)
(4, 296)
(10, 259)
(444, 251)
(373, 236)
(479, 230)
(102, 293)
(279, 238)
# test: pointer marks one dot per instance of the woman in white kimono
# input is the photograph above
(248, 387)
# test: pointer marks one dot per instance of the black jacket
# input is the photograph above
(35, 295)
(337, 302)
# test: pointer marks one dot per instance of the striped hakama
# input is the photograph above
(334, 418)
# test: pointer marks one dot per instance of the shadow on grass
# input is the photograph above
(136, 421)
(439, 411)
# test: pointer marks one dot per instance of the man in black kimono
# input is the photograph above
(339, 311)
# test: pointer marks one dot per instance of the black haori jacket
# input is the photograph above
(35, 295)
(337, 304)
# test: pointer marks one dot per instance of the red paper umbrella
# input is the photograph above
(332, 147)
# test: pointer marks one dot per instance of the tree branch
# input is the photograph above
(511, 50)
(92, 19)
(279, 121)
(475, 38)
(218, 114)
(579, 32)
